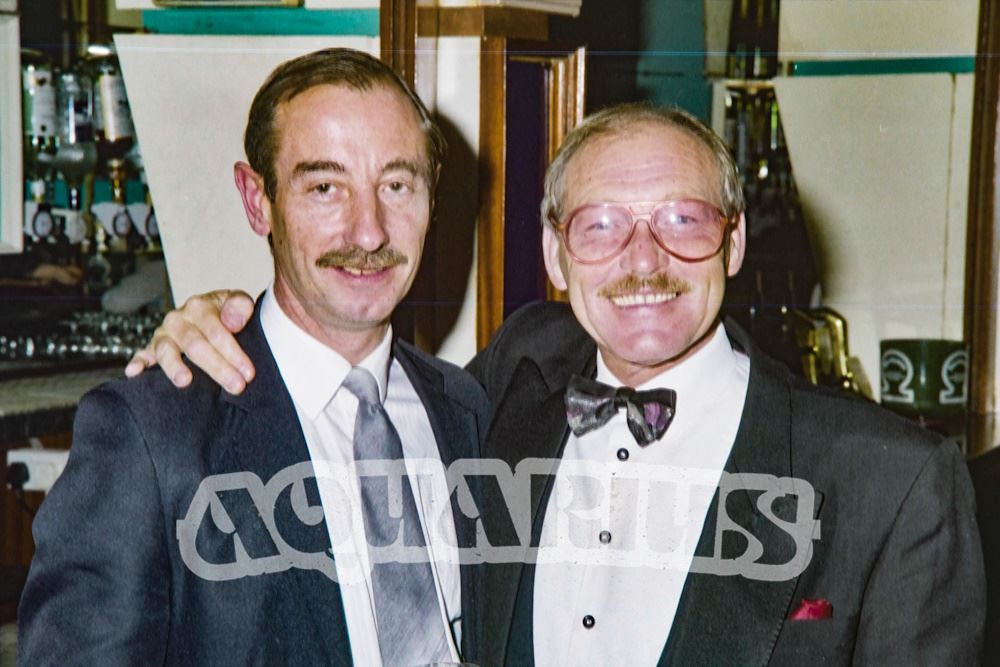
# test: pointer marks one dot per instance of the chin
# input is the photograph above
(649, 348)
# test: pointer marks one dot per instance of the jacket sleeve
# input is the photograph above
(98, 587)
(925, 602)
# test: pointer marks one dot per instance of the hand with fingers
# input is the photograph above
(203, 330)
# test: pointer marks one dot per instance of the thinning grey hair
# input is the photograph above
(621, 118)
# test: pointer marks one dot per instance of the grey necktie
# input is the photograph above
(410, 627)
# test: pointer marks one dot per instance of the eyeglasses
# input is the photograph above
(689, 229)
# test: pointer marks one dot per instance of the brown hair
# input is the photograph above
(624, 117)
(337, 67)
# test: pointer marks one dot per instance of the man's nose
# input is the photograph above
(368, 225)
(643, 254)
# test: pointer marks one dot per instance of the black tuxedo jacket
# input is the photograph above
(898, 556)
(107, 584)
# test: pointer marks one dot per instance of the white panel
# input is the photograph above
(871, 156)
(846, 29)
(568, 7)
(190, 97)
(958, 208)
(458, 98)
(719, 94)
(717, 19)
(11, 183)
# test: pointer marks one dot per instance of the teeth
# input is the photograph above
(360, 272)
(650, 299)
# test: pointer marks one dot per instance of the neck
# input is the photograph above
(352, 343)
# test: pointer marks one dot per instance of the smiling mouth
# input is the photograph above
(359, 263)
(643, 299)
(632, 291)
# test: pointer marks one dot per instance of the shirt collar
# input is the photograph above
(695, 377)
(313, 371)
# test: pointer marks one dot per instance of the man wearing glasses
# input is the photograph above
(698, 504)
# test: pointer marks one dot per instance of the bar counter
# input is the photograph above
(38, 398)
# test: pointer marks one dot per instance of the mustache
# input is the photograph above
(357, 258)
(633, 283)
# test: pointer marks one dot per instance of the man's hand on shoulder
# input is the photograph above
(203, 329)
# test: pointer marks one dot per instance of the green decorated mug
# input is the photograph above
(925, 377)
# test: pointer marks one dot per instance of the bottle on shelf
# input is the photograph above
(76, 151)
(38, 107)
(76, 156)
(38, 113)
(113, 122)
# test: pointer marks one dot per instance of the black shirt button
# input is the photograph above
(623, 454)
(605, 537)
(588, 621)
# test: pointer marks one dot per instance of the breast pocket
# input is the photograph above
(828, 641)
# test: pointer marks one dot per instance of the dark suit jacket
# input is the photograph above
(985, 471)
(898, 559)
(107, 584)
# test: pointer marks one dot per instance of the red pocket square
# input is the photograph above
(812, 610)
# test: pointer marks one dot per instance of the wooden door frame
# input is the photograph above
(397, 21)
(566, 105)
(501, 31)
(982, 240)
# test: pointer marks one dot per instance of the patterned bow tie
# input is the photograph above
(590, 405)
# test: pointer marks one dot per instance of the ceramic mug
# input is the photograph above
(925, 377)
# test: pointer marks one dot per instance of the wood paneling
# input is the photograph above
(983, 245)
(482, 22)
(492, 187)
(398, 30)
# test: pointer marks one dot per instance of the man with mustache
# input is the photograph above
(200, 528)
(730, 513)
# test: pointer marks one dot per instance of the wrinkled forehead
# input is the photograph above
(644, 157)
(372, 115)
(381, 98)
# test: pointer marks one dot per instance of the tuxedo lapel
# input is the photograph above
(529, 423)
(268, 439)
(732, 618)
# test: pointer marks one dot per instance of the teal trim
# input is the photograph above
(943, 65)
(261, 21)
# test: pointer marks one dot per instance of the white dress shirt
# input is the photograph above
(623, 521)
(313, 374)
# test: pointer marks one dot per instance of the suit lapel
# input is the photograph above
(456, 433)
(732, 618)
(268, 439)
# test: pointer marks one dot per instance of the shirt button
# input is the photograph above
(588, 621)
(605, 537)
(623, 454)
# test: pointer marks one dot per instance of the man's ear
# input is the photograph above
(737, 246)
(255, 201)
(551, 251)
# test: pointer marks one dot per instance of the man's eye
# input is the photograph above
(323, 188)
(597, 225)
(398, 187)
